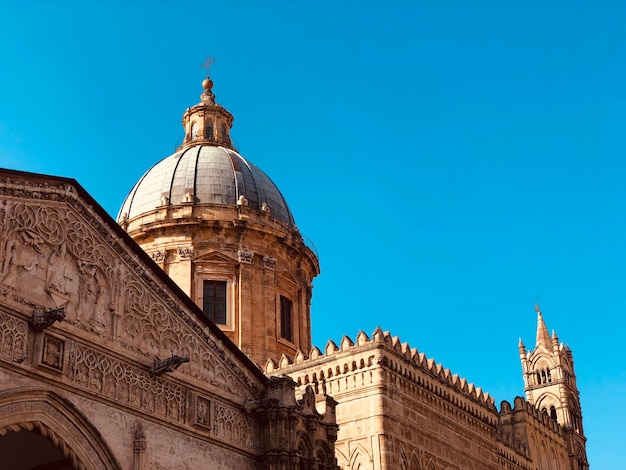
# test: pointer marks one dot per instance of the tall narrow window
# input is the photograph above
(223, 134)
(194, 130)
(214, 301)
(286, 308)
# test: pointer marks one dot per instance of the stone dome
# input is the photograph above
(205, 174)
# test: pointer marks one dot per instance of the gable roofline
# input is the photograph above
(38, 178)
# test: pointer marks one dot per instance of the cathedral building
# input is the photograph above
(179, 337)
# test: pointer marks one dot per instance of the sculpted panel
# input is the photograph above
(12, 338)
(49, 259)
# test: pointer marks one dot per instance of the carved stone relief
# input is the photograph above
(53, 352)
(50, 259)
(203, 412)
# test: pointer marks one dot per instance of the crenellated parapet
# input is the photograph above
(539, 418)
(364, 352)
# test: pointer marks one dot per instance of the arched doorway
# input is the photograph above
(51, 423)
(28, 450)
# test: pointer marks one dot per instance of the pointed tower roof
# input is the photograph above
(543, 337)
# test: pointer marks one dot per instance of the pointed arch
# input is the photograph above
(304, 445)
(55, 418)
(323, 454)
(360, 459)
(402, 460)
(414, 465)
(342, 460)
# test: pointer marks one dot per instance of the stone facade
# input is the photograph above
(101, 354)
(398, 409)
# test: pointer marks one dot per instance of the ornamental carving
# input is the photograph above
(147, 322)
(244, 256)
(95, 372)
(12, 338)
(52, 259)
(159, 256)
(185, 253)
(233, 426)
(268, 263)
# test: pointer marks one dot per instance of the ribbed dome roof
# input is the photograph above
(205, 174)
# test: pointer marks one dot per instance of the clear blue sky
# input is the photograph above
(450, 160)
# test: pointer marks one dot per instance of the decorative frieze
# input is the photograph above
(119, 381)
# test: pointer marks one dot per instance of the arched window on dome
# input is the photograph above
(194, 130)
(209, 131)
(223, 133)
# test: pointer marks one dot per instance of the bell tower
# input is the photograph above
(550, 385)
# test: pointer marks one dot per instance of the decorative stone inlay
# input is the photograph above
(268, 263)
(244, 256)
(185, 253)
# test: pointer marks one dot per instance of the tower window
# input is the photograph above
(194, 130)
(553, 413)
(214, 301)
(223, 135)
(286, 308)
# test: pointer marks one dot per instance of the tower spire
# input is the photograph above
(543, 337)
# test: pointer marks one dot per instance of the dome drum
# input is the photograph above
(206, 176)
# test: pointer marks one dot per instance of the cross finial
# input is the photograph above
(207, 65)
